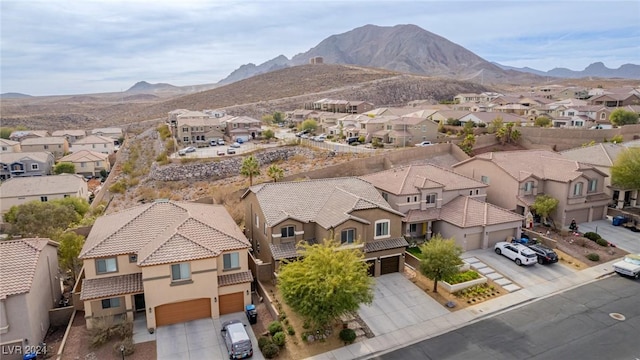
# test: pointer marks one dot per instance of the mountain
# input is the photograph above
(597, 69)
(403, 48)
(145, 87)
(14, 95)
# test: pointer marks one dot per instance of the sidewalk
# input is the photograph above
(406, 336)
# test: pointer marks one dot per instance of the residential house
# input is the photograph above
(197, 128)
(20, 190)
(71, 135)
(29, 288)
(173, 116)
(408, 131)
(168, 262)
(26, 164)
(602, 156)
(616, 99)
(436, 200)
(95, 143)
(442, 116)
(482, 98)
(296, 117)
(113, 133)
(58, 146)
(88, 163)
(515, 178)
(280, 215)
(327, 121)
(9, 146)
(359, 107)
(487, 117)
(243, 126)
(349, 125)
(20, 135)
(376, 128)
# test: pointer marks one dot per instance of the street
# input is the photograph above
(575, 324)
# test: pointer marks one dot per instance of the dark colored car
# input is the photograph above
(545, 254)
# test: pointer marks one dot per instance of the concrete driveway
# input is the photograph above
(524, 276)
(199, 339)
(619, 235)
(398, 303)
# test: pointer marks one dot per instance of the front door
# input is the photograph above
(138, 299)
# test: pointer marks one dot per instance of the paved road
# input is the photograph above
(572, 325)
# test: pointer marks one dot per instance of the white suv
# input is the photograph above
(519, 253)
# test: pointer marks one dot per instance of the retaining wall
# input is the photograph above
(563, 139)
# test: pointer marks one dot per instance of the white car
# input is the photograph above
(424, 143)
(519, 253)
(186, 150)
(629, 266)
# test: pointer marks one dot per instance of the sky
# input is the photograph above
(58, 47)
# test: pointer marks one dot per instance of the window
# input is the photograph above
(477, 191)
(108, 265)
(180, 272)
(110, 303)
(185, 129)
(93, 146)
(577, 189)
(83, 164)
(98, 163)
(470, 192)
(382, 229)
(415, 199)
(348, 236)
(44, 199)
(231, 261)
(528, 186)
(593, 185)
(287, 231)
(413, 228)
(431, 198)
(408, 198)
(424, 128)
(133, 258)
(185, 139)
(34, 167)
(484, 179)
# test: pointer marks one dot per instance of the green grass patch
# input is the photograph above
(415, 251)
(462, 277)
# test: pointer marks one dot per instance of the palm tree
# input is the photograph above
(275, 172)
(250, 167)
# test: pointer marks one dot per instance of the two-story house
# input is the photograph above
(166, 261)
(26, 164)
(71, 135)
(20, 135)
(238, 126)
(58, 146)
(436, 200)
(197, 128)
(29, 288)
(113, 133)
(94, 143)
(407, 131)
(515, 178)
(88, 163)
(20, 190)
(280, 215)
(8, 146)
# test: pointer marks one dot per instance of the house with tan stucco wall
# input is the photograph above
(21, 190)
(168, 262)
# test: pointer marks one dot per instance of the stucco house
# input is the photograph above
(20, 190)
(280, 215)
(243, 126)
(20, 135)
(26, 164)
(88, 163)
(71, 135)
(58, 146)
(7, 146)
(29, 288)
(166, 261)
(197, 128)
(436, 200)
(113, 133)
(515, 178)
(408, 131)
(95, 143)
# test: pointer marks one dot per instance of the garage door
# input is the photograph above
(183, 311)
(500, 235)
(598, 213)
(472, 242)
(389, 265)
(231, 303)
(581, 216)
(371, 267)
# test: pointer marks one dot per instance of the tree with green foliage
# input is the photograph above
(496, 124)
(468, 127)
(5, 132)
(621, 117)
(45, 219)
(544, 205)
(440, 259)
(268, 134)
(542, 121)
(617, 139)
(309, 124)
(625, 172)
(275, 172)
(267, 119)
(278, 117)
(64, 168)
(326, 282)
(250, 168)
(68, 252)
(507, 134)
(467, 144)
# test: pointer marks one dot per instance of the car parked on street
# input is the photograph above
(424, 143)
(213, 142)
(235, 145)
(231, 151)
(519, 253)
(629, 266)
(545, 255)
(186, 150)
(221, 152)
(220, 141)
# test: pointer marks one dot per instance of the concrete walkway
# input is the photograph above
(439, 325)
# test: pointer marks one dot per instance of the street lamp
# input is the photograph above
(122, 351)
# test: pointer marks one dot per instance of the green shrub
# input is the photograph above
(279, 338)
(275, 327)
(347, 335)
(283, 316)
(290, 330)
(593, 257)
(602, 242)
(119, 187)
(262, 341)
(462, 277)
(592, 236)
(270, 350)
(306, 325)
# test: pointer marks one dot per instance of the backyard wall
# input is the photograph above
(563, 139)
(60, 316)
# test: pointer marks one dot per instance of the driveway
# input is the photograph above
(524, 276)
(199, 339)
(619, 235)
(398, 303)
